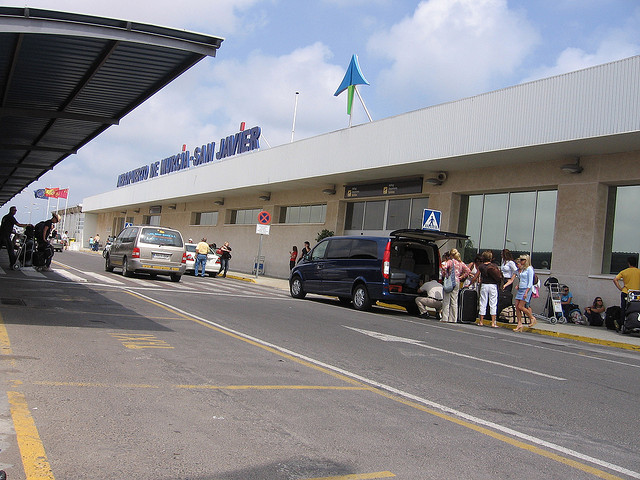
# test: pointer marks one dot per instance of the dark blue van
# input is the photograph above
(364, 270)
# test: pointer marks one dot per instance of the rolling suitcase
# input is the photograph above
(467, 305)
(506, 309)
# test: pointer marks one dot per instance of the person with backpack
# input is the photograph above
(525, 277)
(453, 272)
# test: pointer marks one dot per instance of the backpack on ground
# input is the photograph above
(612, 318)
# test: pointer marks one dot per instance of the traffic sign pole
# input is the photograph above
(258, 258)
(264, 219)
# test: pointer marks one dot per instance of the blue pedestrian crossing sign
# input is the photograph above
(431, 219)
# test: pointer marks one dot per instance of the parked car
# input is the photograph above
(147, 249)
(213, 260)
(57, 243)
(364, 270)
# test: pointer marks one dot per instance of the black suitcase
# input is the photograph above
(467, 305)
(506, 309)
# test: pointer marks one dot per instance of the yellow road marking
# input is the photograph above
(34, 458)
(139, 341)
(580, 338)
(199, 387)
(358, 476)
(483, 430)
(5, 344)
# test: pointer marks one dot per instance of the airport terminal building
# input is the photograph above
(550, 168)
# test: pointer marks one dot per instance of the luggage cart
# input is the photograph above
(553, 306)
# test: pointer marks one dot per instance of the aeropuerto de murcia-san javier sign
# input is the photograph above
(244, 141)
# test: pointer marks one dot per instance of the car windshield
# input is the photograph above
(161, 236)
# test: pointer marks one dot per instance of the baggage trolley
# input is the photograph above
(553, 306)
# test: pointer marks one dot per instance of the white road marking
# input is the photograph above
(104, 278)
(420, 343)
(69, 275)
(30, 272)
(401, 393)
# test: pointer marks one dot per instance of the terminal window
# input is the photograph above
(385, 215)
(204, 218)
(151, 220)
(244, 217)
(522, 222)
(303, 214)
(621, 233)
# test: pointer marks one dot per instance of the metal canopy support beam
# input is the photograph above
(37, 113)
(70, 107)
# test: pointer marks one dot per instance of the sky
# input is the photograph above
(415, 54)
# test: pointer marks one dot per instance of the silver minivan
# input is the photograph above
(148, 249)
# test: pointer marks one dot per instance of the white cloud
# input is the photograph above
(219, 17)
(207, 103)
(452, 48)
(615, 45)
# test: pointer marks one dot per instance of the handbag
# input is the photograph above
(450, 280)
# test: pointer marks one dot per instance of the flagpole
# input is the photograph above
(295, 111)
(362, 101)
(48, 202)
(66, 205)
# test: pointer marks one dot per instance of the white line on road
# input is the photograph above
(401, 393)
(30, 272)
(104, 278)
(69, 275)
(420, 343)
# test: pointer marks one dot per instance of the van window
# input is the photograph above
(128, 235)
(160, 236)
(339, 248)
(364, 249)
(318, 251)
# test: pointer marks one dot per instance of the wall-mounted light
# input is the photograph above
(330, 191)
(438, 179)
(265, 197)
(124, 212)
(173, 207)
(219, 201)
(572, 167)
(137, 210)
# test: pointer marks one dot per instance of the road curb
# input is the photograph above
(580, 338)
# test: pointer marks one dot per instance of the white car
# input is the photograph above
(213, 261)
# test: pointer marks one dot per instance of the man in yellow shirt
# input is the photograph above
(202, 249)
(630, 278)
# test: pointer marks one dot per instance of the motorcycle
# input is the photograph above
(106, 249)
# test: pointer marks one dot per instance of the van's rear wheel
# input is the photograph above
(361, 300)
(125, 268)
(107, 264)
(296, 289)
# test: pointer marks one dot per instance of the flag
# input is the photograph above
(40, 193)
(352, 78)
(51, 192)
(63, 192)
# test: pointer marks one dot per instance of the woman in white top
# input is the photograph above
(508, 268)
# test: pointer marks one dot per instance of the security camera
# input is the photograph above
(442, 176)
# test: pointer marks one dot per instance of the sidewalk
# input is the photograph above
(581, 333)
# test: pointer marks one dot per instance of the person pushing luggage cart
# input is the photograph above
(44, 254)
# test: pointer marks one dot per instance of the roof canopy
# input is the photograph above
(65, 78)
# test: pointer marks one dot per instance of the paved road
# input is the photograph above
(112, 377)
